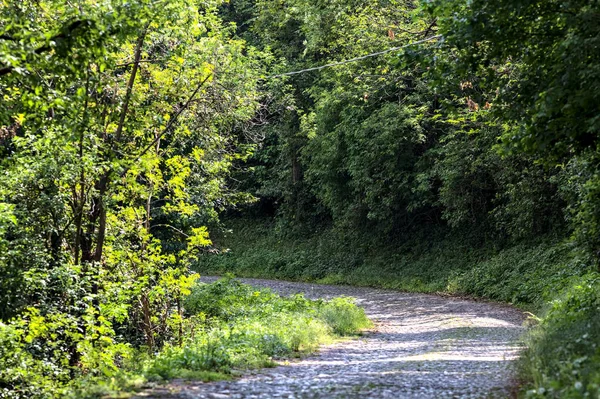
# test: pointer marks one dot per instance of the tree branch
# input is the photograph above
(172, 121)
(64, 34)
(136, 66)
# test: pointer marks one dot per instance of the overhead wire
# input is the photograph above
(333, 64)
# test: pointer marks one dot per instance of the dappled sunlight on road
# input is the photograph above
(422, 346)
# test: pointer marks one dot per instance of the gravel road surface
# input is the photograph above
(422, 346)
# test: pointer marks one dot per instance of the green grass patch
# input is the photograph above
(230, 327)
(563, 358)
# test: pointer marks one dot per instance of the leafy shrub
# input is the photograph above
(564, 350)
(101, 387)
(21, 374)
(523, 274)
(271, 322)
(305, 334)
(245, 327)
(228, 299)
(205, 352)
(344, 317)
(228, 325)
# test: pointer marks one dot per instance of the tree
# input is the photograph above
(120, 122)
(541, 58)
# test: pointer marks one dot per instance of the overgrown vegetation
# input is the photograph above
(466, 164)
(563, 348)
(228, 327)
(527, 274)
(465, 160)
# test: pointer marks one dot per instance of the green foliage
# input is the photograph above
(536, 63)
(205, 353)
(387, 143)
(541, 55)
(127, 127)
(36, 354)
(344, 316)
(563, 350)
(522, 274)
(248, 328)
(229, 299)
(368, 179)
(581, 186)
(23, 375)
(256, 248)
(563, 354)
(119, 125)
(527, 274)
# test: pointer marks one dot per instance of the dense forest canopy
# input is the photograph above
(457, 131)
(129, 130)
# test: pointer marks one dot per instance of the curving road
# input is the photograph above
(423, 346)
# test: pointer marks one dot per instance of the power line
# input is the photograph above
(390, 50)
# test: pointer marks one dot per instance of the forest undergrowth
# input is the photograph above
(228, 327)
(453, 144)
(547, 278)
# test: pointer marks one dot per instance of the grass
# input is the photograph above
(527, 275)
(547, 277)
(235, 327)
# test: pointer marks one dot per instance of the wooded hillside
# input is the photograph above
(433, 146)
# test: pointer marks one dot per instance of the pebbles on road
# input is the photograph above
(423, 346)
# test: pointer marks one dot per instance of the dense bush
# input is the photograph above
(228, 325)
(564, 350)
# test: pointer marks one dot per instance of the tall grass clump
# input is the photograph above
(344, 317)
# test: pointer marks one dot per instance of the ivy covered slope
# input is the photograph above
(465, 164)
